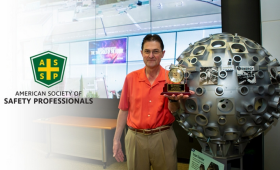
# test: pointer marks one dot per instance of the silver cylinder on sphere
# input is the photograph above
(217, 60)
(236, 60)
(258, 89)
(264, 61)
(253, 61)
(276, 115)
(257, 119)
(260, 74)
(269, 89)
(274, 62)
(268, 117)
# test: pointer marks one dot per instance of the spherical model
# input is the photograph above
(236, 84)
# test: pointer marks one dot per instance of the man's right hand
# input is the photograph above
(117, 146)
(117, 151)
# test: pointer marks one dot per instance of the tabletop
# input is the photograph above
(80, 122)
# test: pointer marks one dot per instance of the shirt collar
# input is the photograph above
(161, 76)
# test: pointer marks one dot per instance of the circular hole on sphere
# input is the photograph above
(255, 59)
(206, 107)
(217, 44)
(251, 44)
(236, 39)
(219, 90)
(244, 90)
(202, 75)
(225, 105)
(260, 105)
(238, 47)
(199, 50)
(201, 120)
(259, 120)
(267, 59)
(199, 90)
(217, 59)
(211, 131)
(223, 73)
(190, 105)
(223, 35)
(222, 120)
(193, 60)
(237, 58)
(242, 120)
(260, 73)
(250, 108)
(251, 130)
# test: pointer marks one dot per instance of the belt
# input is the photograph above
(151, 131)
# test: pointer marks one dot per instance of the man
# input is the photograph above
(150, 139)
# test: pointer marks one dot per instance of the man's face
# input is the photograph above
(152, 54)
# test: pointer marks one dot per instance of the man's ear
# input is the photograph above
(163, 52)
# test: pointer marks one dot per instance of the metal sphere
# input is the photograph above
(237, 93)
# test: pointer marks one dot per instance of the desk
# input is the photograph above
(78, 136)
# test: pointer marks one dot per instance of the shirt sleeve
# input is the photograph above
(124, 100)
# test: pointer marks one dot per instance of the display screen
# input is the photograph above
(107, 51)
(102, 39)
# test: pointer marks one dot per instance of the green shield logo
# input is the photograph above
(48, 68)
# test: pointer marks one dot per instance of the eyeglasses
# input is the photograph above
(154, 52)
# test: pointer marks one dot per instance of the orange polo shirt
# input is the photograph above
(147, 109)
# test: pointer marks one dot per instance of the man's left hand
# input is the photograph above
(178, 97)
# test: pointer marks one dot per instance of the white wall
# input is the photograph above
(270, 16)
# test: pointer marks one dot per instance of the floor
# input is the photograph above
(35, 159)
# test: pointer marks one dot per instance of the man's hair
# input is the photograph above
(152, 37)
